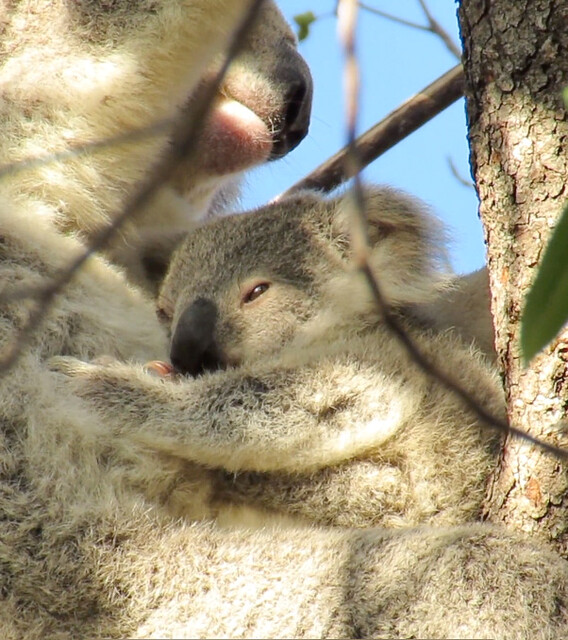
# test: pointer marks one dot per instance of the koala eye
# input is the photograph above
(255, 292)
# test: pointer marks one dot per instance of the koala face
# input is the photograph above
(245, 286)
(119, 65)
(241, 287)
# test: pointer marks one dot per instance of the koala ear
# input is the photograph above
(378, 205)
(408, 254)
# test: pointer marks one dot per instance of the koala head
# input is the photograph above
(245, 286)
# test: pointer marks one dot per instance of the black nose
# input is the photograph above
(193, 349)
(296, 79)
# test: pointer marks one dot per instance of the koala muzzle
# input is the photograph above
(193, 349)
(296, 81)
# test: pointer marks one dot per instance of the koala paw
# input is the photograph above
(95, 383)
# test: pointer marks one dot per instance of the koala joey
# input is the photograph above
(302, 404)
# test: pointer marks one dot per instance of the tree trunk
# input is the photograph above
(516, 66)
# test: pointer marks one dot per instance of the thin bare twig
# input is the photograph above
(346, 22)
(399, 124)
(433, 25)
(183, 145)
(436, 28)
(458, 176)
(393, 18)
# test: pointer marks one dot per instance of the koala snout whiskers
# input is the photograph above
(193, 349)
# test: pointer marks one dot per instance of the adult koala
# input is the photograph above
(299, 374)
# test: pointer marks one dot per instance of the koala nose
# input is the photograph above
(297, 80)
(193, 349)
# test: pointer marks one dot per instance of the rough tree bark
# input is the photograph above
(516, 66)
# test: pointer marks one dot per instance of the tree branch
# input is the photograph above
(400, 123)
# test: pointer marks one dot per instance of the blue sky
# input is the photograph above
(396, 62)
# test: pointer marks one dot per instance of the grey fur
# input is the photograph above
(320, 402)
(465, 307)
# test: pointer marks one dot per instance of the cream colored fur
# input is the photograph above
(75, 72)
(304, 400)
(85, 550)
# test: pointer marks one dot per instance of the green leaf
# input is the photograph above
(546, 305)
(304, 20)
